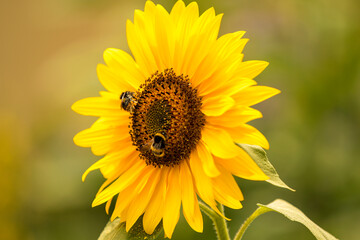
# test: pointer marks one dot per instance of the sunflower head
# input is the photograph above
(170, 116)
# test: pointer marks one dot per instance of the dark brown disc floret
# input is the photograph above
(166, 119)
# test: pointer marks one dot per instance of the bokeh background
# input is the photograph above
(49, 52)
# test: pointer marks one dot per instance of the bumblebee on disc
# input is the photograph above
(127, 101)
(156, 145)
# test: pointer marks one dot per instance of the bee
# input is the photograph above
(156, 145)
(127, 101)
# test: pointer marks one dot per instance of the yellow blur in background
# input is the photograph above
(49, 53)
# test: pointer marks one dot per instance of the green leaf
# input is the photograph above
(294, 214)
(291, 213)
(116, 231)
(259, 156)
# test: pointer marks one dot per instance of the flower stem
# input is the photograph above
(247, 222)
(219, 222)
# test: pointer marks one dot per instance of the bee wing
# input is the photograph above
(147, 145)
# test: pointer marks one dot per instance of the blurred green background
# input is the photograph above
(50, 50)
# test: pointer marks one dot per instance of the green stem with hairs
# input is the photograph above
(219, 222)
(247, 222)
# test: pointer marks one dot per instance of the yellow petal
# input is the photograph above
(197, 225)
(173, 202)
(112, 80)
(131, 193)
(120, 166)
(118, 121)
(114, 158)
(208, 23)
(140, 48)
(253, 95)
(99, 106)
(107, 183)
(226, 199)
(205, 27)
(231, 43)
(124, 198)
(224, 56)
(249, 135)
(133, 159)
(228, 185)
(123, 215)
(155, 210)
(220, 70)
(207, 160)
(124, 66)
(91, 136)
(165, 37)
(176, 11)
(137, 207)
(236, 116)
(226, 190)
(219, 142)
(121, 183)
(184, 24)
(243, 166)
(203, 183)
(190, 204)
(150, 29)
(143, 180)
(107, 206)
(101, 148)
(216, 106)
(101, 138)
(109, 95)
(231, 87)
(250, 69)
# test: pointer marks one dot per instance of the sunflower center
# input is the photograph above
(158, 118)
(166, 119)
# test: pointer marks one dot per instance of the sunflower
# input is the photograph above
(170, 116)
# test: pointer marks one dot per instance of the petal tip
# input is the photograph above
(83, 177)
(76, 106)
(94, 203)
